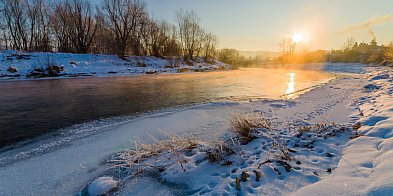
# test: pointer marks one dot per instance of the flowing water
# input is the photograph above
(32, 108)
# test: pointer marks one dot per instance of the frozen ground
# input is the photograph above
(314, 157)
(358, 166)
(366, 166)
(62, 166)
(88, 65)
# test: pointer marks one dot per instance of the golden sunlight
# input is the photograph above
(298, 37)
(291, 85)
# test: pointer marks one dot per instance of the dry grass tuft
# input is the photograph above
(179, 151)
(245, 125)
(217, 152)
(356, 126)
(176, 146)
(303, 129)
(318, 128)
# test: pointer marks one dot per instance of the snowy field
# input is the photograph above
(15, 65)
(366, 165)
(348, 157)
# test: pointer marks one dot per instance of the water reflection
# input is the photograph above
(291, 85)
(31, 108)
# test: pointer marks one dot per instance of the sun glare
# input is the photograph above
(291, 85)
(298, 37)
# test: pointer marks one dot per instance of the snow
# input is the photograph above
(87, 65)
(48, 169)
(329, 103)
(101, 186)
(366, 166)
(347, 162)
(336, 67)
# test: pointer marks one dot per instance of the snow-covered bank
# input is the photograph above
(65, 65)
(366, 167)
(313, 156)
(65, 171)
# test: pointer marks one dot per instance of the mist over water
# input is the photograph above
(32, 108)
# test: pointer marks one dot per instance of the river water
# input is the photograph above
(29, 108)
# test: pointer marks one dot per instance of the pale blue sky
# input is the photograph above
(261, 24)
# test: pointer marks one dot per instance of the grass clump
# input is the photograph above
(174, 145)
(217, 152)
(246, 125)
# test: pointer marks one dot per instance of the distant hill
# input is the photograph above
(261, 53)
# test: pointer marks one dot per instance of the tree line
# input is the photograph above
(351, 52)
(122, 27)
(293, 53)
(355, 52)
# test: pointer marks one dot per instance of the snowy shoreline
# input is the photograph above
(366, 167)
(38, 66)
(340, 101)
(328, 103)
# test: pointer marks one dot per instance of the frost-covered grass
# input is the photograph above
(245, 125)
(175, 146)
(271, 154)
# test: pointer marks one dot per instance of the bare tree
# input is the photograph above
(282, 46)
(122, 17)
(15, 15)
(3, 36)
(190, 34)
(161, 39)
(104, 41)
(209, 46)
(349, 44)
(44, 39)
(388, 55)
(62, 24)
(172, 47)
(228, 55)
(4, 39)
(24, 24)
(287, 46)
(85, 25)
(74, 25)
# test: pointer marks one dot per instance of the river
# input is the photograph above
(31, 108)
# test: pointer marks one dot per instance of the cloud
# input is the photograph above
(367, 24)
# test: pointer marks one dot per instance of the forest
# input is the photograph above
(122, 27)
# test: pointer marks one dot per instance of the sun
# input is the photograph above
(298, 37)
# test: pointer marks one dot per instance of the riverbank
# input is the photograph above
(68, 102)
(302, 145)
(334, 140)
(67, 169)
(366, 165)
(22, 66)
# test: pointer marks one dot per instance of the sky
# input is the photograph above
(251, 25)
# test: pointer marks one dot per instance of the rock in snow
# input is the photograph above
(101, 186)
(371, 87)
(380, 77)
(12, 69)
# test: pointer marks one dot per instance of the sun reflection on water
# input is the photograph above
(291, 85)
